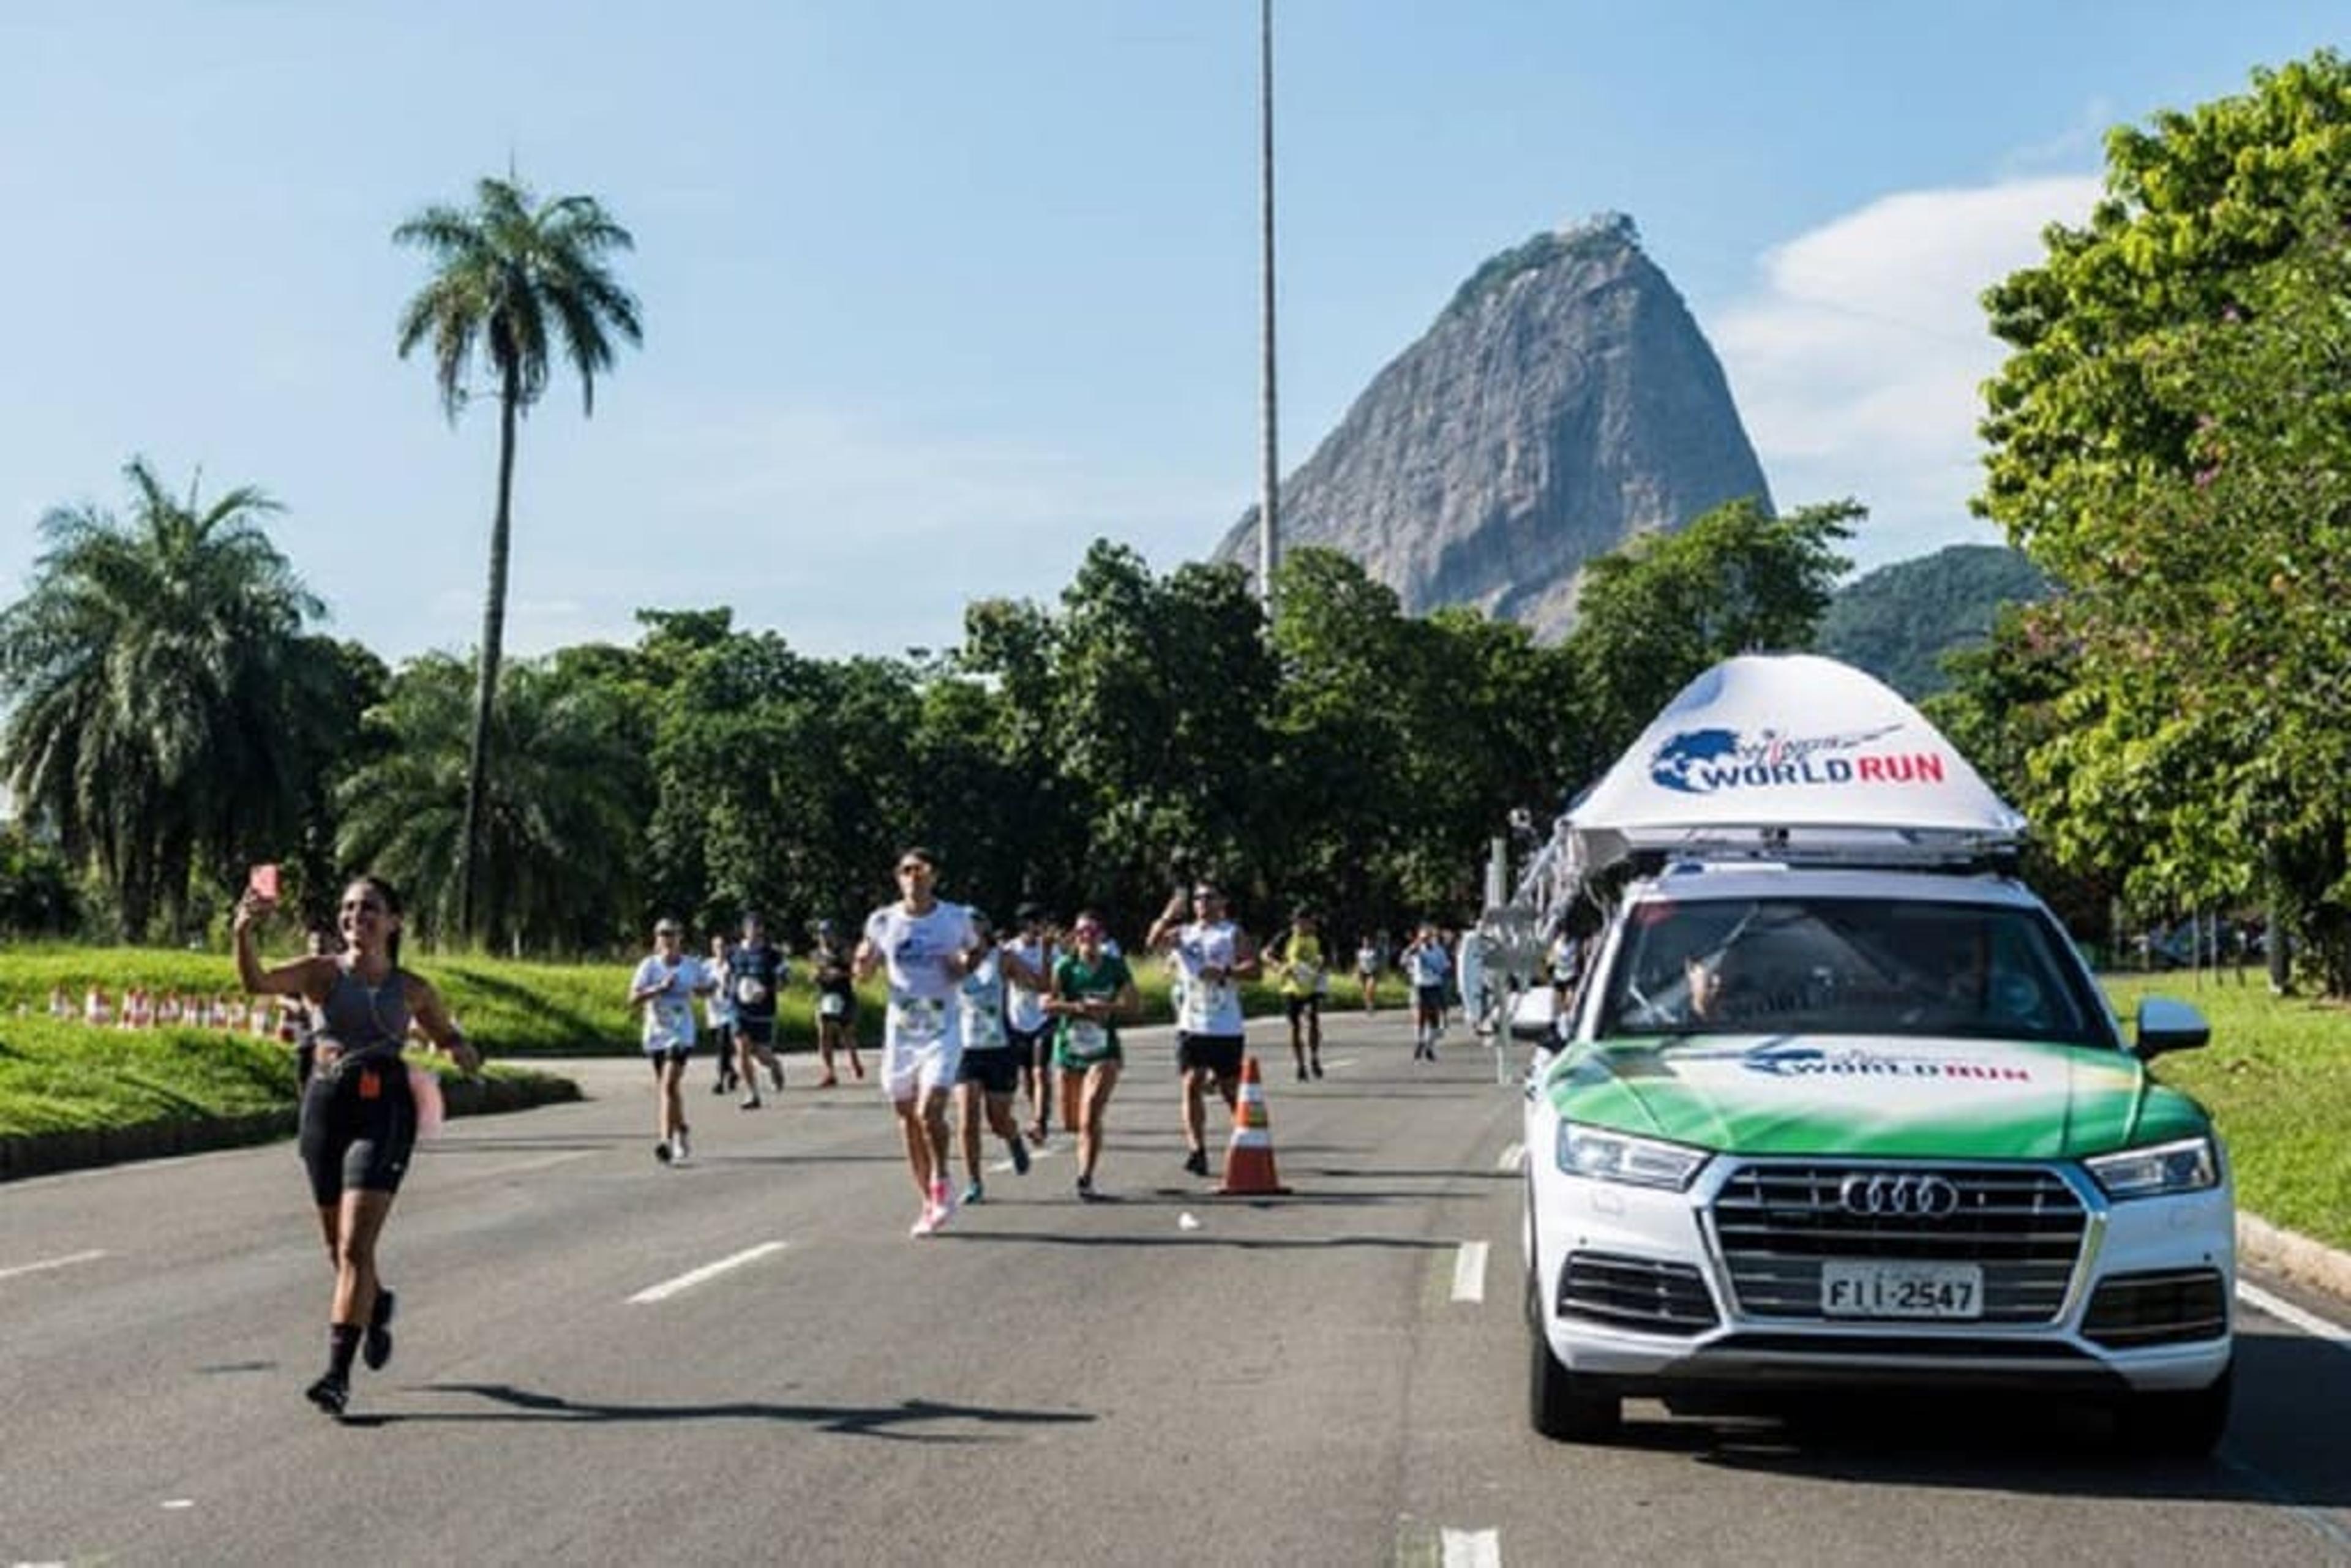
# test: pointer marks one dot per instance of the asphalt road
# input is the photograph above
(1168, 1378)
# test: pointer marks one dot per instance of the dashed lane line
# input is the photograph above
(686, 1281)
(1471, 1548)
(1469, 1274)
(47, 1263)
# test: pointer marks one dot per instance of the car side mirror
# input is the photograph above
(2165, 1025)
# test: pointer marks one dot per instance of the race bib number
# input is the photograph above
(672, 1015)
(750, 992)
(1306, 976)
(984, 1027)
(1087, 1041)
(921, 1020)
(1204, 1000)
(831, 1005)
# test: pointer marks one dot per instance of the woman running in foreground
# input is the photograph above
(358, 1117)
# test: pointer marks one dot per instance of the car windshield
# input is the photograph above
(1848, 965)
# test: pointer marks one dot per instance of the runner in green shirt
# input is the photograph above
(1092, 990)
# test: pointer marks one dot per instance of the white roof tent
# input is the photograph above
(1787, 757)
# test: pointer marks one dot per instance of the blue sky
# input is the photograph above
(936, 293)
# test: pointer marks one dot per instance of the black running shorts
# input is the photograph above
(997, 1069)
(357, 1130)
(1217, 1053)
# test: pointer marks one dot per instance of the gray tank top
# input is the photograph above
(358, 1017)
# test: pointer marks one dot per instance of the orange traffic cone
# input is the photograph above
(1249, 1158)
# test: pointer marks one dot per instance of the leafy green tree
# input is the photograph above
(2166, 438)
(159, 704)
(516, 282)
(1655, 614)
(563, 827)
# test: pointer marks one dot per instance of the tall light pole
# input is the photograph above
(1270, 502)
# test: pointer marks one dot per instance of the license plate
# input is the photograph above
(1902, 1289)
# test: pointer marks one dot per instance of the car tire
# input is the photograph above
(1561, 1404)
(2185, 1425)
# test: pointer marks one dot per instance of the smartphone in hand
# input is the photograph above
(262, 883)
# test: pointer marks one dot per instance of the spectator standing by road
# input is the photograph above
(1298, 959)
(1212, 956)
(1092, 991)
(926, 946)
(1429, 967)
(756, 971)
(663, 987)
(359, 1114)
(836, 1003)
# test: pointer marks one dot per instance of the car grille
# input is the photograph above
(1776, 1223)
(1636, 1294)
(2173, 1307)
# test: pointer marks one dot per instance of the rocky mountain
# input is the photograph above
(1899, 621)
(1562, 401)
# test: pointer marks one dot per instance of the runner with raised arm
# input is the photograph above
(359, 1114)
(1213, 955)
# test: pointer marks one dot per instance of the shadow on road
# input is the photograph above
(852, 1420)
(2285, 1442)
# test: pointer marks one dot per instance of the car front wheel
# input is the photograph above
(1561, 1404)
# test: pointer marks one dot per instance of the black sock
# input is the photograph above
(342, 1346)
(381, 1313)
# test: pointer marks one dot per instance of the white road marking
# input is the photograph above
(1338, 1061)
(179, 1502)
(1513, 1157)
(51, 1263)
(2286, 1311)
(1471, 1548)
(540, 1164)
(1470, 1273)
(686, 1281)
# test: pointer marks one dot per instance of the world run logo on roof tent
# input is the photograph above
(1703, 761)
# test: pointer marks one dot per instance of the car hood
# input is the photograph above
(1796, 1094)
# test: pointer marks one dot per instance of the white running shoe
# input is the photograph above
(928, 1223)
(680, 1150)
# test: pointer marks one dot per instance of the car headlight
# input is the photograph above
(2189, 1165)
(1616, 1157)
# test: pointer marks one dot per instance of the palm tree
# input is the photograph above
(563, 821)
(157, 696)
(515, 281)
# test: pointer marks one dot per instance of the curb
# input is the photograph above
(2294, 1256)
(80, 1148)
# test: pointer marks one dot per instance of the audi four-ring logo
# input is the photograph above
(1926, 1196)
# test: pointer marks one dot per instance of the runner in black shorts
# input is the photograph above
(358, 1117)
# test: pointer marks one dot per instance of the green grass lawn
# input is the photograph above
(2277, 1078)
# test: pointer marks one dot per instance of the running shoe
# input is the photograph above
(827, 1081)
(1197, 1162)
(750, 1102)
(681, 1151)
(376, 1348)
(857, 1066)
(1086, 1193)
(1301, 1075)
(1318, 1067)
(778, 1074)
(975, 1193)
(663, 1152)
(1019, 1157)
(926, 1223)
(330, 1394)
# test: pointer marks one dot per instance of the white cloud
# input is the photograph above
(1857, 361)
